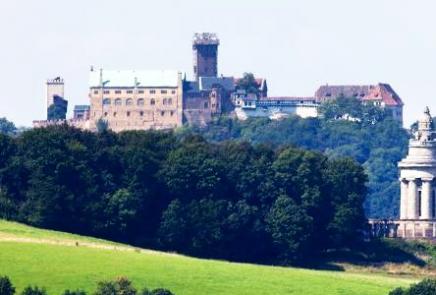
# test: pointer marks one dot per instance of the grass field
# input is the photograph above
(60, 261)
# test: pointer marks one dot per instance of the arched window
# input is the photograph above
(164, 101)
(115, 114)
(106, 101)
(152, 102)
(118, 101)
(129, 102)
(170, 101)
(140, 102)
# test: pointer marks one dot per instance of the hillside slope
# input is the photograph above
(62, 261)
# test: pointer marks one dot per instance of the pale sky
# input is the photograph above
(296, 45)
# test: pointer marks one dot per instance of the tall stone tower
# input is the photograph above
(205, 48)
(56, 104)
(55, 87)
(418, 186)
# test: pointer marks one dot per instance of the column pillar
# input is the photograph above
(412, 210)
(426, 199)
(404, 199)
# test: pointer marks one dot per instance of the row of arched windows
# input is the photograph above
(139, 101)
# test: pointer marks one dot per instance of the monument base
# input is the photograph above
(416, 229)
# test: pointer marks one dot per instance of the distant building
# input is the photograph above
(54, 87)
(382, 95)
(205, 49)
(141, 99)
(57, 106)
(418, 183)
(134, 100)
(274, 108)
(81, 112)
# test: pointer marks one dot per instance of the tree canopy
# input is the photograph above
(7, 127)
(248, 83)
(369, 135)
(176, 191)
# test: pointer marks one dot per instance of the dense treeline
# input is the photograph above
(178, 192)
(118, 286)
(371, 137)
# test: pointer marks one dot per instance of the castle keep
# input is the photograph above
(143, 99)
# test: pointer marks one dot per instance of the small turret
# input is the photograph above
(425, 131)
(426, 122)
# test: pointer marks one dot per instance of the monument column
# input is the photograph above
(412, 211)
(403, 204)
(426, 199)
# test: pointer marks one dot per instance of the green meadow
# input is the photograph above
(59, 261)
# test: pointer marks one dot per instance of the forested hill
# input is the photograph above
(179, 192)
(374, 140)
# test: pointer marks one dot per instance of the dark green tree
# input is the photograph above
(29, 290)
(102, 125)
(341, 108)
(74, 292)
(58, 110)
(161, 292)
(425, 287)
(291, 230)
(173, 227)
(398, 291)
(248, 83)
(120, 209)
(7, 127)
(119, 286)
(346, 180)
(6, 287)
(106, 288)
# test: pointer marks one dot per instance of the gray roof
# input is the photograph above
(81, 107)
(128, 78)
(206, 83)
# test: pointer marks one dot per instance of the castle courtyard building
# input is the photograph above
(380, 95)
(136, 100)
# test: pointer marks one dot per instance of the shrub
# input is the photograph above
(161, 292)
(398, 291)
(6, 287)
(29, 290)
(74, 292)
(425, 287)
(105, 288)
(121, 286)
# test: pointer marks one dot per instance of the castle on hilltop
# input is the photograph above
(144, 99)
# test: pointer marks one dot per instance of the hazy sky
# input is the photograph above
(297, 45)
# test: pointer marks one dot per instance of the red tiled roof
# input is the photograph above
(381, 91)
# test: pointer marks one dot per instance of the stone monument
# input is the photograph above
(417, 180)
